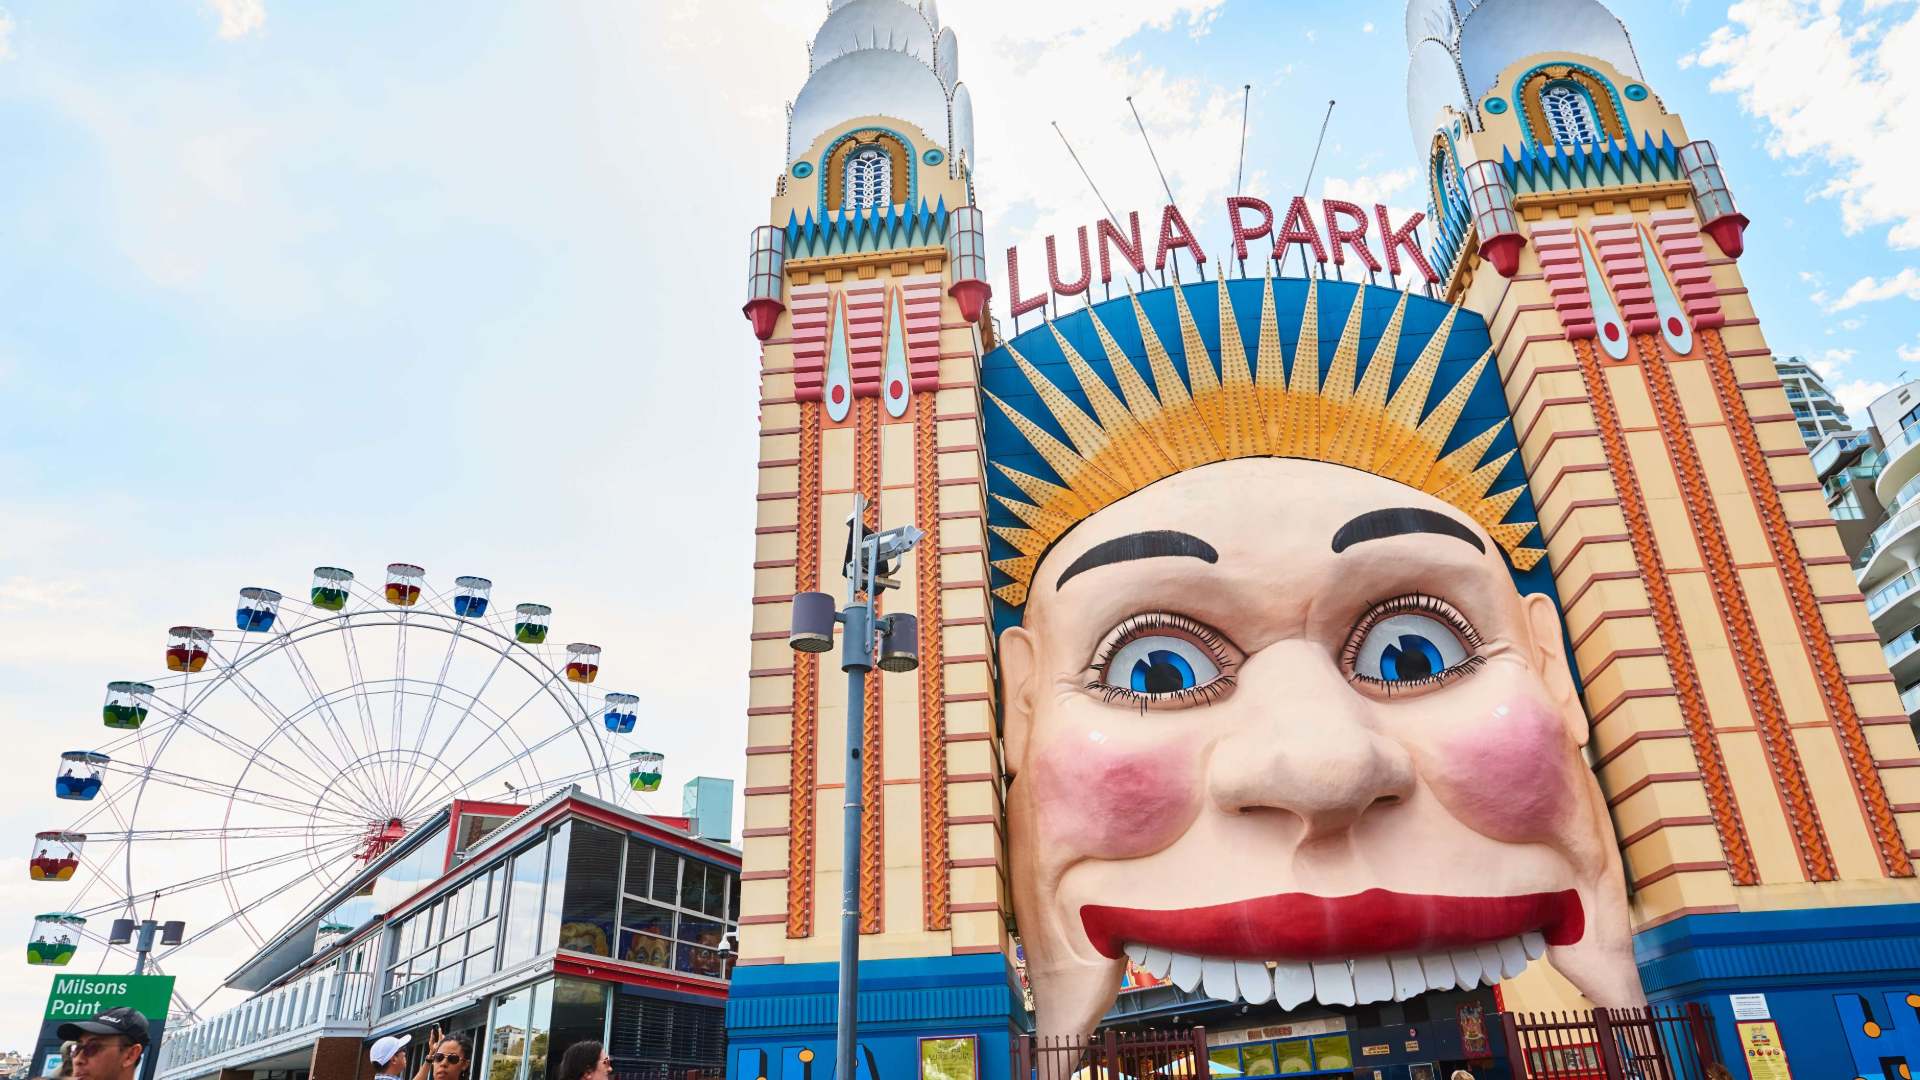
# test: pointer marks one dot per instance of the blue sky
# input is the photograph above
(459, 284)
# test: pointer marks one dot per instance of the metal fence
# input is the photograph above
(1611, 1044)
(1113, 1055)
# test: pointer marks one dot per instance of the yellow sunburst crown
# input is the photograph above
(1147, 433)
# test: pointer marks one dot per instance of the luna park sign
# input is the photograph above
(1340, 230)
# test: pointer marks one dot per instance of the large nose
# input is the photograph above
(1305, 743)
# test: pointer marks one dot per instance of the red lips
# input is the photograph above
(1300, 926)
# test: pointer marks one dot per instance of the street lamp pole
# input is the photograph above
(872, 558)
(140, 935)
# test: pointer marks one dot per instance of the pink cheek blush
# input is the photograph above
(1095, 798)
(1509, 777)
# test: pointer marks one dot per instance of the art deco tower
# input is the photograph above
(1759, 765)
(868, 292)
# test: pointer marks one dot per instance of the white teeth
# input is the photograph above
(1157, 962)
(1408, 980)
(1293, 983)
(1186, 971)
(1489, 962)
(1254, 980)
(1513, 957)
(1372, 980)
(1217, 976)
(1333, 982)
(1360, 981)
(1466, 968)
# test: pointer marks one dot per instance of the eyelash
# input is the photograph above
(1418, 604)
(1139, 626)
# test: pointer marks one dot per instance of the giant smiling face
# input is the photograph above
(1286, 730)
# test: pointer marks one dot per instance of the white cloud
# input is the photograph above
(1909, 353)
(1869, 290)
(1855, 395)
(1376, 188)
(1829, 364)
(238, 18)
(1847, 103)
(7, 26)
(1366, 28)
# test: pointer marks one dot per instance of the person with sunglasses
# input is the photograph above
(108, 1047)
(447, 1057)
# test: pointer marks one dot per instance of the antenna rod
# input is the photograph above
(1240, 173)
(1083, 172)
(1307, 188)
(1171, 201)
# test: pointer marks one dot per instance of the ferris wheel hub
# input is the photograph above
(381, 835)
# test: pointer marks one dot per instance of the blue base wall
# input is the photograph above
(780, 1017)
(1837, 982)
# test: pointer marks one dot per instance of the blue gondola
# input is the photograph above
(470, 599)
(256, 611)
(622, 712)
(81, 775)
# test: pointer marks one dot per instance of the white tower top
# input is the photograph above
(1457, 49)
(887, 58)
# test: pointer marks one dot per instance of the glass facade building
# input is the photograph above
(573, 920)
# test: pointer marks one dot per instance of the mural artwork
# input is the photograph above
(1280, 721)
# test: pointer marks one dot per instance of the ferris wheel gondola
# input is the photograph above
(275, 759)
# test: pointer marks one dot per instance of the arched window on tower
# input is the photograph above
(869, 178)
(1570, 119)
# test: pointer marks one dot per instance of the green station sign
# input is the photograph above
(81, 997)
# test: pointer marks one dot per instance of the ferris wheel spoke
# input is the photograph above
(504, 722)
(413, 765)
(239, 915)
(278, 858)
(303, 671)
(363, 706)
(255, 797)
(499, 661)
(394, 767)
(240, 832)
(283, 724)
(244, 752)
(527, 754)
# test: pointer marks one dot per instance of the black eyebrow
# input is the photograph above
(1401, 521)
(1157, 544)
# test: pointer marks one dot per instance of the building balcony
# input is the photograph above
(1901, 465)
(1903, 656)
(1896, 603)
(1910, 701)
(281, 1022)
(1893, 549)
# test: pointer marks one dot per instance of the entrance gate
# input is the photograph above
(1611, 1044)
(1606, 1044)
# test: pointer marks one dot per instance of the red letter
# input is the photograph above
(1031, 303)
(1242, 234)
(1077, 285)
(1339, 238)
(1395, 239)
(1135, 258)
(1170, 220)
(1298, 229)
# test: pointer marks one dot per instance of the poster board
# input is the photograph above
(1766, 1056)
(951, 1057)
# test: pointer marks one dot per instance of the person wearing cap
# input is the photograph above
(108, 1047)
(389, 1056)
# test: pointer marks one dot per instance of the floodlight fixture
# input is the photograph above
(172, 931)
(899, 643)
(121, 933)
(813, 619)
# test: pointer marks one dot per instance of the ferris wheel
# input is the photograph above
(275, 759)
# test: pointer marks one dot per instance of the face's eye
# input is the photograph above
(1162, 658)
(1412, 642)
(1157, 664)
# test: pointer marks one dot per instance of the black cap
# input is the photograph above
(125, 1022)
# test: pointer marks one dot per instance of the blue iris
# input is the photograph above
(1413, 658)
(1162, 671)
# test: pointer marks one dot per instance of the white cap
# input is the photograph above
(385, 1047)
